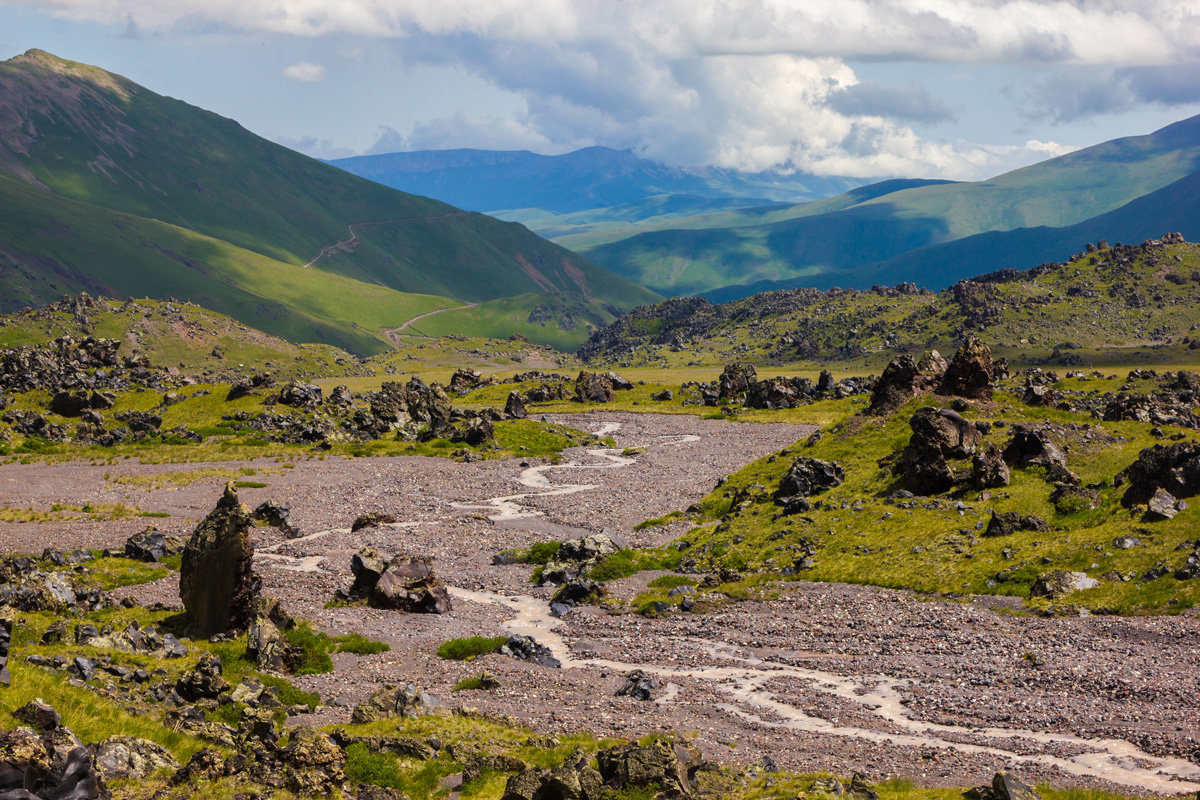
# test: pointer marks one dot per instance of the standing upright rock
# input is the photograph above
(970, 373)
(217, 582)
(5, 639)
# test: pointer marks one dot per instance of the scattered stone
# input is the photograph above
(808, 476)
(372, 519)
(1161, 505)
(217, 582)
(989, 470)
(1006, 523)
(40, 715)
(151, 545)
(639, 686)
(130, 758)
(1060, 582)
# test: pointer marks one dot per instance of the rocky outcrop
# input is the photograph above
(1003, 787)
(592, 387)
(130, 758)
(217, 582)
(939, 437)
(970, 373)
(48, 763)
(576, 557)
(1009, 522)
(203, 680)
(1059, 583)
(5, 643)
(313, 764)
(1036, 447)
(736, 379)
(573, 780)
(276, 515)
(403, 583)
(1171, 469)
(514, 406)
(895, 387)
(809, 476)
(393, 701)
(989, 470)
(672, 767)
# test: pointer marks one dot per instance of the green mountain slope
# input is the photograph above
(1117, 304)
(79, 133)
(849, 233)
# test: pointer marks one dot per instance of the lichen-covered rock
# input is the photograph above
(268, 648)
(371, 519)
(408, 584)
(217, 582)
(672, 767)
(130, 757)
(313, 764)
(591, 387)
(939, 436)
(277, 515)
(736, 379)
(1072, 499)
(202, 681)
(392, 701)
(1061, 582)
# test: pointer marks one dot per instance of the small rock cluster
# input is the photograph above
(403, 583)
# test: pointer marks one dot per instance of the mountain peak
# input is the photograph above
(35, 61)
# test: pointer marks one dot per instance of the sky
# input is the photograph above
(961, 89)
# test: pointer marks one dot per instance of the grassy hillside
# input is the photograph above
(1116, 305)
(195, 187)
(837, 242)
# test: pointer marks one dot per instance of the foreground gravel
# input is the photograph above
(825, 677)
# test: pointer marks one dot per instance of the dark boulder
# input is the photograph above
(298, 394)
(671, 767)
(809, 476)
(989, 470)
(5, 643)
(127, 757)
(895, 387)
(514, 407)
(217, 582)
(591, 387)
(476, 431)
(736, 379)
(970, 373)
(526, 648)
(1173, 468)
(152, 546)
(372, 519)
(405, 583)
(1035, 447)
(939, 436)
(1009, 522)
(277, 515)
(639, 686)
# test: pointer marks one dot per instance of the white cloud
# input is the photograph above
(305, 72)
(755, 84)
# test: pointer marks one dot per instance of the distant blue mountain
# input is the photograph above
(591, 178)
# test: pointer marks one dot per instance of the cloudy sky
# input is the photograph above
(928, 88)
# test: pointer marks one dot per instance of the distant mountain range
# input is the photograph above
(108, 187)
(587, 179)
(931, 234)
(726, 235)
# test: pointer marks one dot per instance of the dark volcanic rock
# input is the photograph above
(392, 701)
(217, 582)
(809, 476)
(277, 515)
(5, 642)
(895, 387)
(130, 758)
(152, 546)
(514, 406)
(1174, 468)
(639, 686)
(591, 387)
(939, 436)
(405, 583)
(970, 373)
(989, 469)
(372, 519)
(736, 379)
(525, 648)
(1036, 448)
(1009, 522)
(202, 681)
